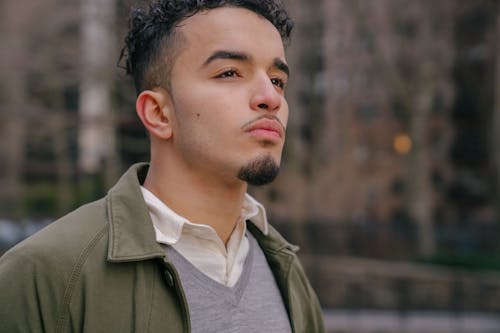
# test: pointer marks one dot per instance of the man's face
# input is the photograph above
(227, 90)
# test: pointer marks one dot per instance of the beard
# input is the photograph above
(260, 171)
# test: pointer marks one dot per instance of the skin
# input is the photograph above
(226, 82)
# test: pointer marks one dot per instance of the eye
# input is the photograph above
(278, 83)
(228, 74)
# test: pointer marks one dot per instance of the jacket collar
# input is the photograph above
(273, 241)
(131, 232)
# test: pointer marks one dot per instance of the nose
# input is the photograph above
(265, 96)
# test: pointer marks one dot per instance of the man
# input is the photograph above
(178, 245)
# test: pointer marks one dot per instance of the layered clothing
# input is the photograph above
(100, 269)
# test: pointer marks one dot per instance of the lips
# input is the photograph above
(269, 128)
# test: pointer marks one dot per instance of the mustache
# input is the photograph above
(270, 117)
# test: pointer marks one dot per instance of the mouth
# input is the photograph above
(266, 128)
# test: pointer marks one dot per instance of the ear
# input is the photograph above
(154, 108)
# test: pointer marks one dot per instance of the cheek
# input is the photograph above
(210, 111)
(202, 124)
(284, 113)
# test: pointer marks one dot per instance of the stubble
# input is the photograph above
(260, 171)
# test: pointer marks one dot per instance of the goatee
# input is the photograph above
(260, 171)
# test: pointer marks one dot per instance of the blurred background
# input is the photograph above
(391, 176)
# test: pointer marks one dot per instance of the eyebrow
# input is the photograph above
(282, 66)
(227, 55)
(239, 56)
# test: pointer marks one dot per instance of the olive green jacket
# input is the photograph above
(100, 269)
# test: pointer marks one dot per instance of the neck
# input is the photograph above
(198, 198)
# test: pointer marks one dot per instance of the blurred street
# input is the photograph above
(412, 322)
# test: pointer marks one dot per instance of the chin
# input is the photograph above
(260, 171)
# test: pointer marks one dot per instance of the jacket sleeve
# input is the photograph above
(27, 298)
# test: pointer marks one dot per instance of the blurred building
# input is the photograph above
(371, 96)
(393, 110)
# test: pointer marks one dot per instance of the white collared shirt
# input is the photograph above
(200, 244)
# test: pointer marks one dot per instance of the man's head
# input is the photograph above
(211, 77)
(153, 40)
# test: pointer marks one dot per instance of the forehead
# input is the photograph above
(231, 28)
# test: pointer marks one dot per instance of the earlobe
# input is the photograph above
(155, 110)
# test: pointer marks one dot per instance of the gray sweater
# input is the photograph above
(254, 304)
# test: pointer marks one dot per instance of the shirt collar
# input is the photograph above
(169, 225)
(254, 211)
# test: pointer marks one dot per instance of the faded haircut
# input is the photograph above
(152, 42)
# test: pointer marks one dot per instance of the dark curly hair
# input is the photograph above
(149, 50)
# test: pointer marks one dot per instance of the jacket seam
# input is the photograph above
(289, 292)
(153, 285)
(109, 217)
(74, 276)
